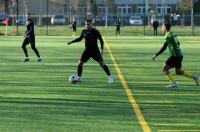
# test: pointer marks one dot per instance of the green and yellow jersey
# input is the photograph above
(172, 43)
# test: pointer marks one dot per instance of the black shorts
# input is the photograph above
(74, 29)
(86, 55)
(30, 40)
(174, 61)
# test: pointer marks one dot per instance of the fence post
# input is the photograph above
(17, 4)
(47, 17)
(192, 17)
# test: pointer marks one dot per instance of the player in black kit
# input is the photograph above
(30, 38)
(74, 23)
(118, 25)
(91, 35)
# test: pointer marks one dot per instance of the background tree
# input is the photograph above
(197, 6)
(74, 8)
(108, 7)
(94, 8)
(187, 6)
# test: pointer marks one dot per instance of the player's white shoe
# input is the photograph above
(79, 79)
(196, 79)
(110, 79)
(39, 59)
(26, 59)
(173, 85)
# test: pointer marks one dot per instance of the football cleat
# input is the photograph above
(26, 59)
(79, 79)
(39, 59)
(173, 85)
(110, 79)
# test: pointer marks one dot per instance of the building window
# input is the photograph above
(141, 9)
(159, 10)
(144, 10)
(129, 10)
(163, 9)
(124, 9)
(168, 10)
(101, 10)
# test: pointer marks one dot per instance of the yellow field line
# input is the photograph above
(134, 104)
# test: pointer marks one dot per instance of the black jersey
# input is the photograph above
(90, 35)
(118, 24)
(74, 24)
(30, 28)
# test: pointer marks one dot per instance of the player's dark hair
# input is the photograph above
(28, 13)
(88, 20)
(167, 25)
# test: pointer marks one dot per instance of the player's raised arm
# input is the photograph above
(77, 39)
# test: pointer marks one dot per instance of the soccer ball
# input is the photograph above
(73, 79)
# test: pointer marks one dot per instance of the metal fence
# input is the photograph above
(54, 17)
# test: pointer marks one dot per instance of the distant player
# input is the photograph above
(175, 58)
(118, 25)
(30, 38)
(91, 35)
(155, 27)
(74, 23)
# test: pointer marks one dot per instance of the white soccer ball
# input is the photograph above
(73, 79)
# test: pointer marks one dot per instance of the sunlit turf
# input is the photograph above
(38, 97)
(66, 30)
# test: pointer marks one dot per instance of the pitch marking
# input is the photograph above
(131, 98)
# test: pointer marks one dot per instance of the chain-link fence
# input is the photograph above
(54, 17)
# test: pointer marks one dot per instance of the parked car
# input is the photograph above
(124, 20)
(99, 21)
(135, 20)
(58, 20)
(112, 20)
(21, 20)
(3, 17)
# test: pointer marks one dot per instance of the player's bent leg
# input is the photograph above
(39, 59)
(25, 43)
(179, 71)
(106, 69)
(166, 69)
(35, 50)
(80, 70)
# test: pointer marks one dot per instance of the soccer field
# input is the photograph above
(37, 97)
